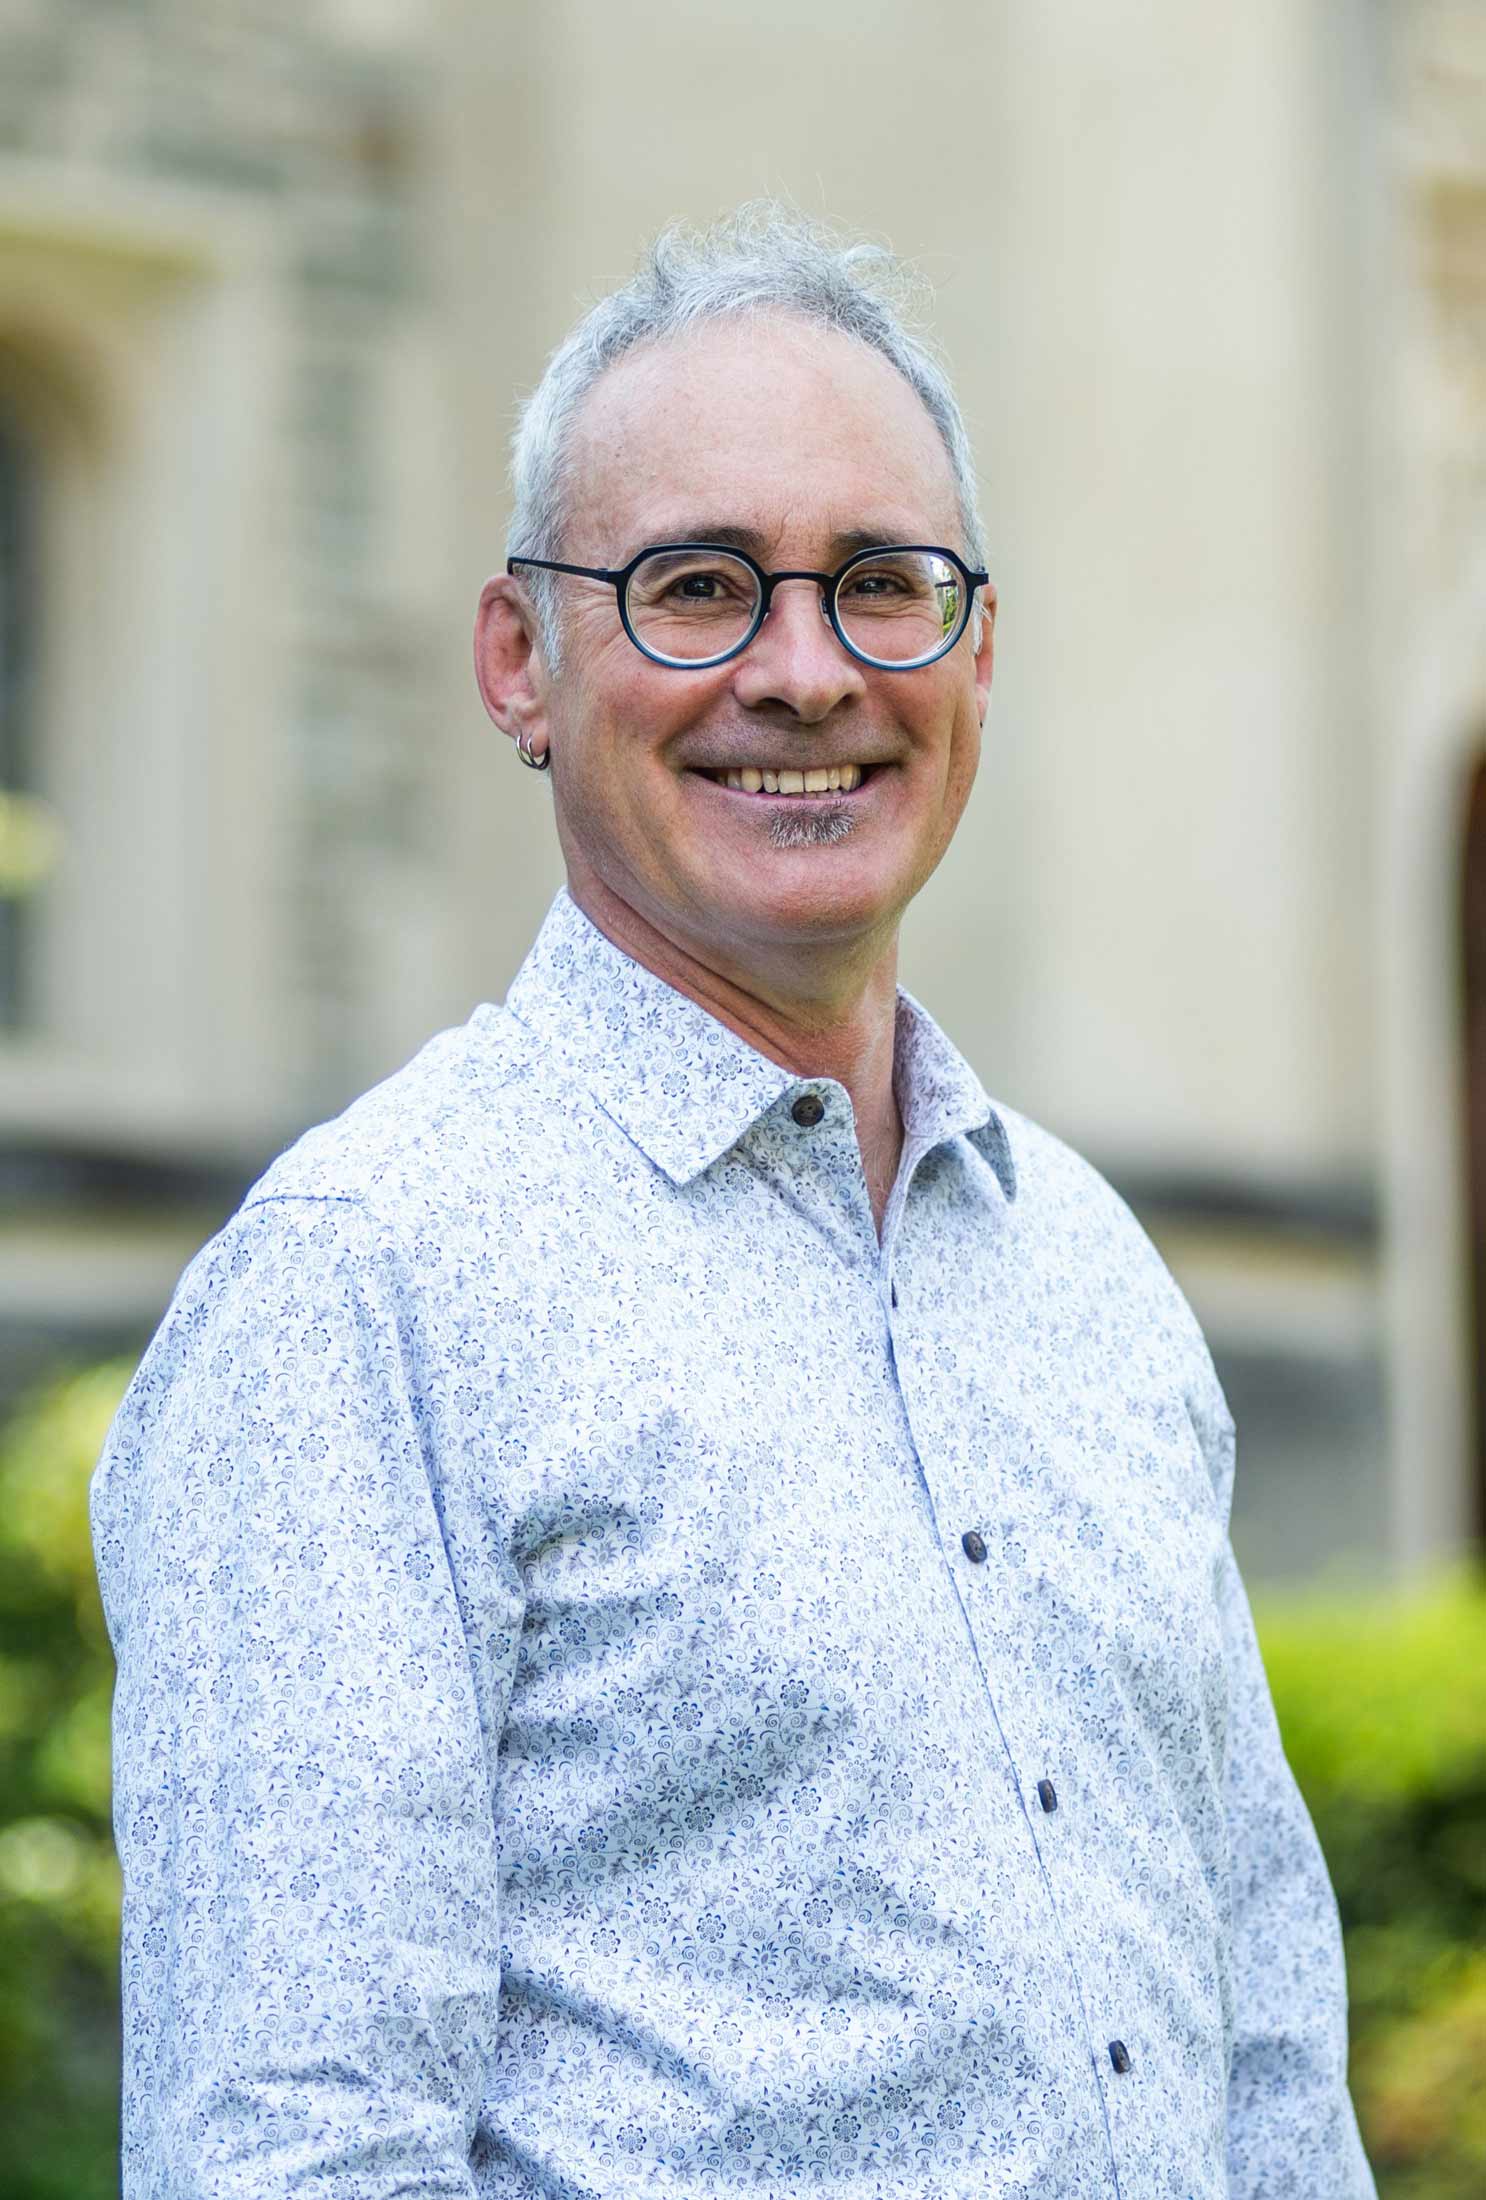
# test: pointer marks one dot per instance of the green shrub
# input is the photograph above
(59, 1883)
(1382, 1704)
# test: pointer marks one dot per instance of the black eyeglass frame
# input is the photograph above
(619, 577)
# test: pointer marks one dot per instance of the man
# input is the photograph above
(676, 1628)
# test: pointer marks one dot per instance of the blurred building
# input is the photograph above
(1213, 284)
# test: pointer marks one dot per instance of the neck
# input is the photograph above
(820, 1014)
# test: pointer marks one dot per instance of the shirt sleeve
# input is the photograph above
(302, 1790)
(1292, 2132)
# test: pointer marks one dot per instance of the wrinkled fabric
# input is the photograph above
(630, 1686)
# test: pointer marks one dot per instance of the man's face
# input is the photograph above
(809, 444)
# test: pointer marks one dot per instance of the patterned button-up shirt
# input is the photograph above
(631, 1687)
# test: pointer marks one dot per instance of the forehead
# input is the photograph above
(763, 421)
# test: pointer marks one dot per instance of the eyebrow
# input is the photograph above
(844, 544)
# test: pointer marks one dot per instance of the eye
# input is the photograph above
(700, 587)
(686, 581)
(876, 581)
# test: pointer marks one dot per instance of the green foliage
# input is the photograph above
(59, 1883)
(1382, 1703)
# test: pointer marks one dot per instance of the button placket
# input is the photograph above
(956, 1484)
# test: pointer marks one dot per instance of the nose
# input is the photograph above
(795, 659)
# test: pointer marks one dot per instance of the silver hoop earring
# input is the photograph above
(542, 763)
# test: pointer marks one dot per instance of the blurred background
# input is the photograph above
(1212, 283)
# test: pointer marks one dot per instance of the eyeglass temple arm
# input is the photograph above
(555, 565)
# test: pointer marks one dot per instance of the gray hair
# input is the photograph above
(762, 257)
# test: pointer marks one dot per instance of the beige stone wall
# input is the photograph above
(1213, 285)
(1428, 664)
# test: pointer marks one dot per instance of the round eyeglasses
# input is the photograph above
(692, 604)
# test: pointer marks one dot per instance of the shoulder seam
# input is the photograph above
(374, 1220)
(310, 1199)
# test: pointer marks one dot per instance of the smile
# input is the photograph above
(823, 779)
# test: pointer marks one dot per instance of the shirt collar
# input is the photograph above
(682, 1086)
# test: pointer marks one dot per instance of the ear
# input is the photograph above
(985, 655)
(509, 666)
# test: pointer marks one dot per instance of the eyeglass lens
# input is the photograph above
(896, 607)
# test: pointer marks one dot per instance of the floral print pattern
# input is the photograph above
(630, 1686)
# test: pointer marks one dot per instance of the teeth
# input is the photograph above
(823, 779)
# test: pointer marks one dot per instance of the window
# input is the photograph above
(141, 968)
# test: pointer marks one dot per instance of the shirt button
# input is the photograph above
(1119, 2055)
(894, 1294)
(1047, 1795)
(973, 1547)
(808, 1110)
